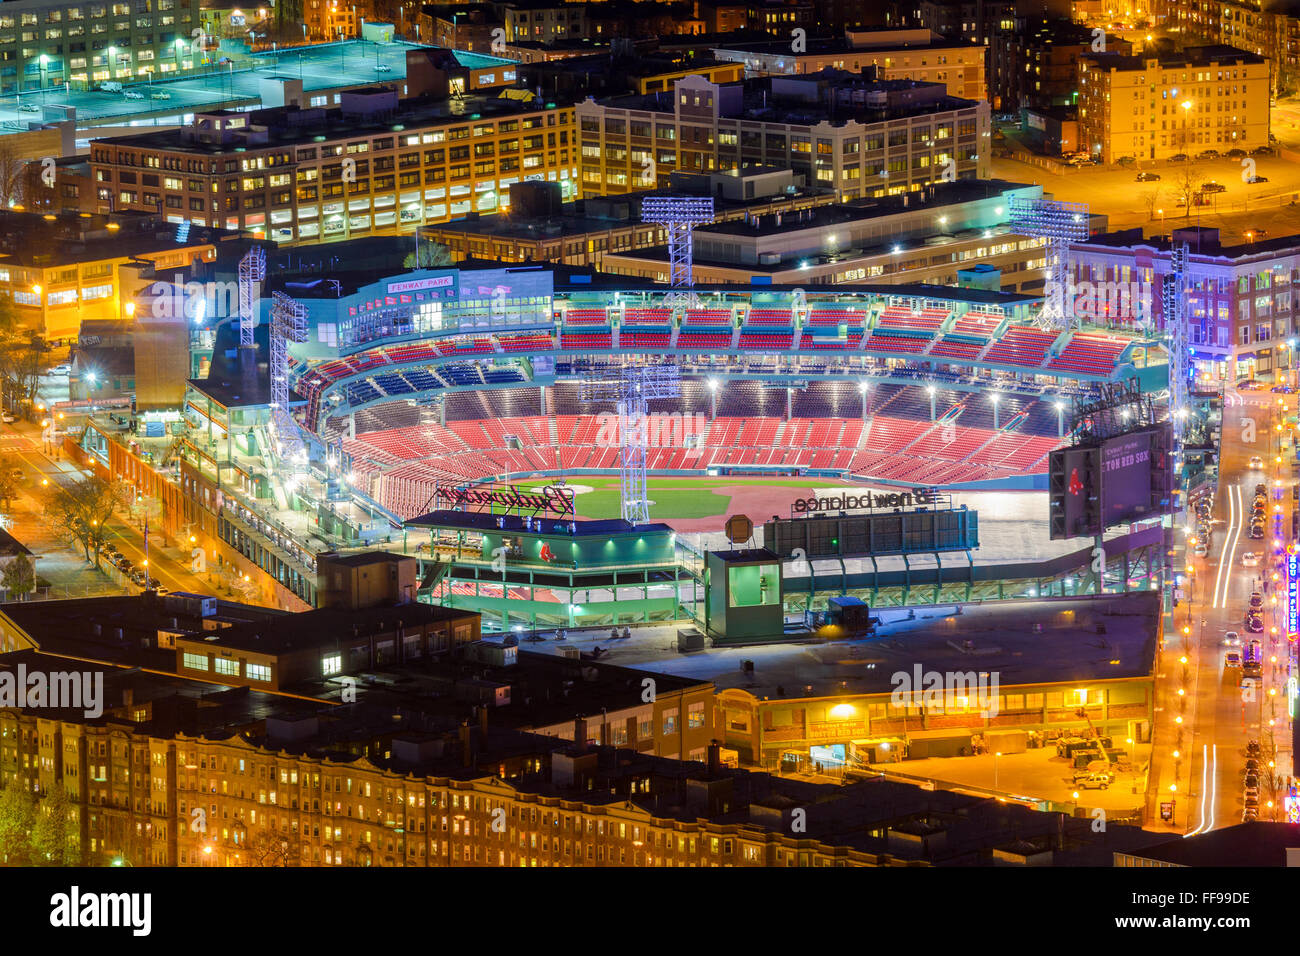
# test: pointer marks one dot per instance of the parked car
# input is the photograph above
(383, 68)
(1262, 151)
(1208, 154)
(160, 95)
(1148, 177)
(7, 417)
(133, 95)
(61, 370)
(1213, 187)
(1179, 158)
(1089, 780)
(1257, 179)
(1235, 153)
(29, 108)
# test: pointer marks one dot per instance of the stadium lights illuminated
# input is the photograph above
(863, 386)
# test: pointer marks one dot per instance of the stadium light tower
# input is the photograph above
(288, 324)
(1059, 223)
(679, 215)
(631, 387)
(252, 270)
(1174, 292)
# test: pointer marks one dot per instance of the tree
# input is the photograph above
(19, 577)
(82, 510)
(428, 255)
(13, 175)
(8, 317)
(17, 817)
(21, 363)
(268, 849)
(1151, 200)
(54, 841)
(11, 479)
(1187, 185)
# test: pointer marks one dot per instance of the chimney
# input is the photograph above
(580, 734)
(715, 758)
(466, 749)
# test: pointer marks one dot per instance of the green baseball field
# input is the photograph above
(682, 499)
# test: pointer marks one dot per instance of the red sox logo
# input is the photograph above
(1076, 485)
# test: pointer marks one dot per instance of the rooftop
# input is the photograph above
(1246, 844)
(1192, 56)
(831, 96)
(45, 240)
(288, 126)
(1002, 636)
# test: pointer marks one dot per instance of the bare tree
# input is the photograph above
(1187, 187)
(1151, 200)
(12, 176)
(268, 849)
(11, 479)
(82, 509)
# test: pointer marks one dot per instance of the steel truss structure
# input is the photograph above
(1113, 409)
(679, 215)
(252, 270)
(630, 387)
(288, 324)
(1176, 316)
(1059, 224)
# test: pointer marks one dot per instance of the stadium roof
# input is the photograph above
(482, 521)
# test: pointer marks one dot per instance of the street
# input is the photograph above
(21, 442)
(1220, 714)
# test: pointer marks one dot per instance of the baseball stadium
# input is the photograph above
(613, 427)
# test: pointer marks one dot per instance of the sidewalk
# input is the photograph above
(65, 568)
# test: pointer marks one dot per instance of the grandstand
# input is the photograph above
(879, 383)
(501, 436)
